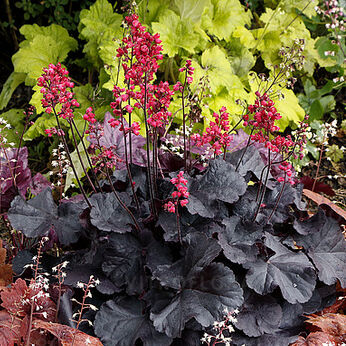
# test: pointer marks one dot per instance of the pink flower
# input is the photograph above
(55, 85)
(180, 184)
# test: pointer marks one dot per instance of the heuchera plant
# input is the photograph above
(174, 255)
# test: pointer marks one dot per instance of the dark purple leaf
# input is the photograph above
(290, 271)
(108, 215)
(240, 141)
(114, 138)
(21, 171)
(123, 263)
(122, 322)
(219, 182)
(288, 331)
(238, 240)
(251, 162)
(327, 250)
(313, 225)
(82, 272)
(277, 339)
(188, 224)
(204, 290)
(36, 217)
(259, 315)
(188, 338)
(39, 183)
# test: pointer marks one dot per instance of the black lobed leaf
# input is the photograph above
(36, 216)
(204, 290)
(188, 224)
(238, 239)
(313, 304)
(21, 260)
(123, 262)
(291, 196)
(195, 206)
(313, 225)
(188, 338)
(281, 210)
(108, 215)
(277, 339)
(219, 182)
(259, 315)
(200, 252)
(327, 250)
(251, 161)
(204, 296)
(291, 271)
(288, 331)
(122, 321)
(82, 273)
(68, 225)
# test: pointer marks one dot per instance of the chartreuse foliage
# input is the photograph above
(98, 26)
(216, 34)
(163, 292)
(42, 45)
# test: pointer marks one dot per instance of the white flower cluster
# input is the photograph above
(60, 165)
(3, 140)
(219, 328)
(327, 130)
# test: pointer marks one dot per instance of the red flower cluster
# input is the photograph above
(159, 99)
(89, 116)
(180, 184)
(264, 115)
(53, 131)
(189, 71)
(55, 85)
(216, 134)
(286, 167)
(146, 50)
(140, 54)
(101, 156)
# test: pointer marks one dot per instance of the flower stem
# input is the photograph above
(151, 192)
(70, 159)
(80, 158)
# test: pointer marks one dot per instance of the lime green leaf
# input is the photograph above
(316, 110)
(15, 118)
(290, 109)
(43, 122)
(240, 57)
(245, 36)
(191, 9)
(281, 29)
(218, 69)
(150, 11)
(323, 45)
(9, 87)
(313, 150)
(43, 45)
(83, 95)
(98, 25)
(36, 99)
(334, 153)
(307, 7)
(228, 99)
(176, 33)
(221, 17)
